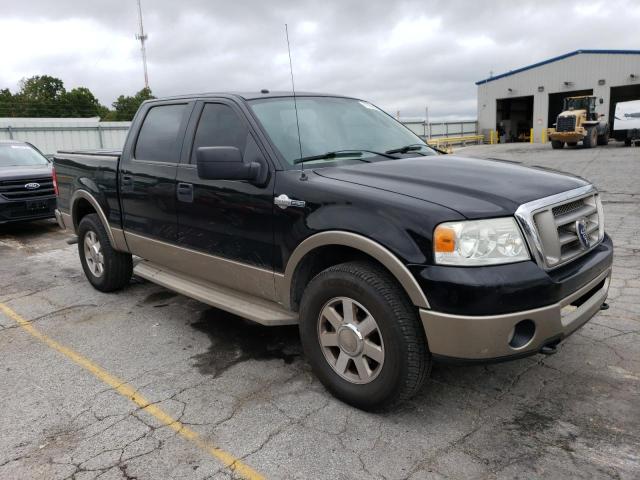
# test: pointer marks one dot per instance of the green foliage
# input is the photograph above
(46, 96)
(126, 107)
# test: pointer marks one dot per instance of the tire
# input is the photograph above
(572, 144)
(403, 359)
(591, 139)
(557, 144)
(604, 138)
(106, 269)
(627, 142)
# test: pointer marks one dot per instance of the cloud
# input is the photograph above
(401, 55)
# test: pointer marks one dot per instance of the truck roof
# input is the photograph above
(248, 95)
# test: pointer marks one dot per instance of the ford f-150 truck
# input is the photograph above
(27, 187)
(326, 212)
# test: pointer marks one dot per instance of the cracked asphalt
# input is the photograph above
(248, 390)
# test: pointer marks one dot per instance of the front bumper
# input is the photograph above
(476, 312)
(574, 136)
(26, 210)
(491, 337)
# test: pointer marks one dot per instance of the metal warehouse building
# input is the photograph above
(532, 96)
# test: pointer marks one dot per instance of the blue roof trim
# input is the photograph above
(555, 59)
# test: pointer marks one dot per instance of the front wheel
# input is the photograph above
(556, 144)
(591, 138)
(105, 268)
(362, 336)
(604, 138)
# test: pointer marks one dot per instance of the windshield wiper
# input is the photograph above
(408, 148)
(342, 154)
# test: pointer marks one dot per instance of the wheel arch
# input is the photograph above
(84, 203)
(303, 264)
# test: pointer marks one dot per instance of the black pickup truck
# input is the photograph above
(326, 212)
(27, 186)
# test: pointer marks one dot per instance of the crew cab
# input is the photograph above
(27, 189)
(324, 211)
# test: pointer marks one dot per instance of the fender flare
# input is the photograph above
(358, 242)
(116, 236)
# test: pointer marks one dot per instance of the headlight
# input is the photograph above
(479, 242)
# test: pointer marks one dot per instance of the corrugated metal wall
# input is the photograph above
(53, 134)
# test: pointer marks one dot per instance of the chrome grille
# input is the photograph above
(550, 225)
(17, 190)
(566, 124)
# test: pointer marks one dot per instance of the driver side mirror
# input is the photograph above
(225, 163)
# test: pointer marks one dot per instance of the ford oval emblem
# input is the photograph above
(32, 186)
(581, 231)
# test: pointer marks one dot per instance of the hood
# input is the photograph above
(475, 188)
(24, 172)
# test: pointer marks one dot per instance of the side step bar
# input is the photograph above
(252, 308)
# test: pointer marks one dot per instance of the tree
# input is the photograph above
(126, 106)
(80, 102)
(46, 96)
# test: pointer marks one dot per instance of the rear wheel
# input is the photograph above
(557, 144)
(105, 268)
(591, 139)
(604, 138)
(362, 336)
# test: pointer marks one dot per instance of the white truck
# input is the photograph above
(626, 122)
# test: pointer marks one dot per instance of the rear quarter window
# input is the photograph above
(158, 138)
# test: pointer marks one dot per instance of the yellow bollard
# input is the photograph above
(531, 136)
(543, 135)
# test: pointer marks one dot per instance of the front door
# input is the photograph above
(226, 224)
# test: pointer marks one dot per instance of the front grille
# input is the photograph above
(553, 225)
(17, 190)
(566, 124)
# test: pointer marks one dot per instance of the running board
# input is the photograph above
(247, 306)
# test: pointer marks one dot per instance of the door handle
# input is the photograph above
(127, 180)
(185, 192)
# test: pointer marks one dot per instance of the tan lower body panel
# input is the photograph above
(488, 336)
(254, 281)
(247, 306)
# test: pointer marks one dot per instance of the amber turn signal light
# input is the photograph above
(444, 239)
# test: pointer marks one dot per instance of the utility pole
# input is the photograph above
(427, 130)
(143, 38)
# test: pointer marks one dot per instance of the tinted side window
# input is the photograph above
(219, 126)
(158, 138)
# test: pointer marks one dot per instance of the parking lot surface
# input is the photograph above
(148, 384)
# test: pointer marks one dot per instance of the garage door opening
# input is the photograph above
(514, 118)
(622, 94)
(556, 101)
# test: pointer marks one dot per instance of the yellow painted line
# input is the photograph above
(130, 392)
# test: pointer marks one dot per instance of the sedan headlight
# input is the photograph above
(479, 242)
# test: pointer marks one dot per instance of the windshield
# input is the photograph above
(330, 125)
(17, 155)
(576, 104)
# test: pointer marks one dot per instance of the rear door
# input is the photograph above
(147, 179)
(226, 224)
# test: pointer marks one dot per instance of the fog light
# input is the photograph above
(522, 333)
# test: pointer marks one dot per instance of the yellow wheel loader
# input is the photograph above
(579, 122)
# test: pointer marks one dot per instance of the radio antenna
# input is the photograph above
(303, 176)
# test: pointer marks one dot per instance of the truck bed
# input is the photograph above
(96, 172)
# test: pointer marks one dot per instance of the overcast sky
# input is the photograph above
(399, 55)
